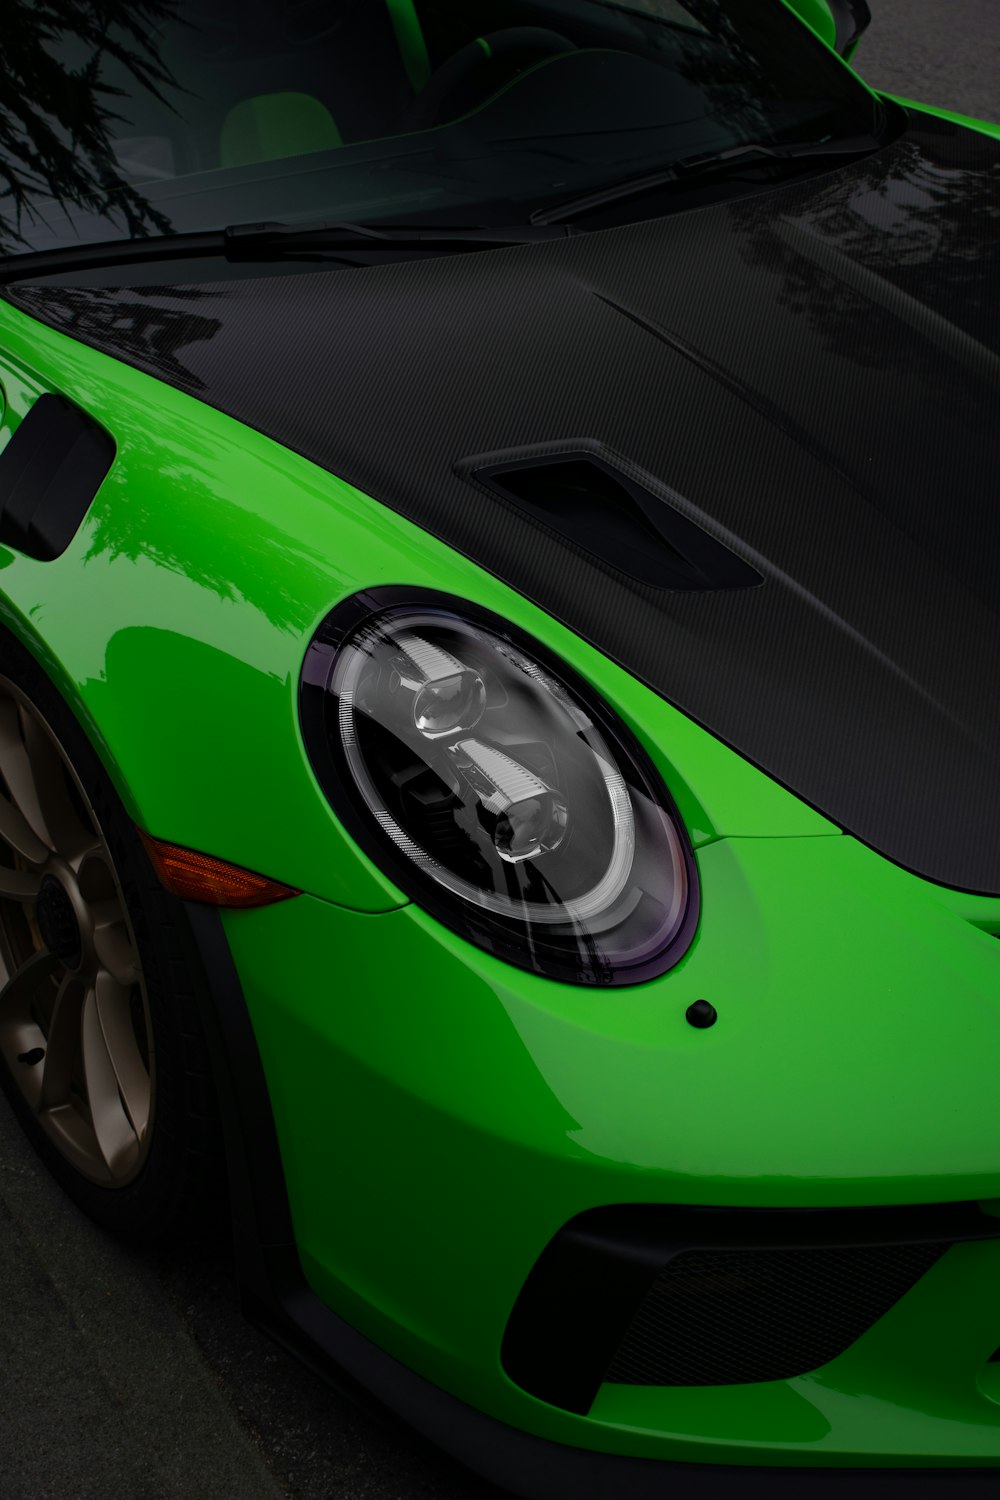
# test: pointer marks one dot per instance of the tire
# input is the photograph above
(102, 1053)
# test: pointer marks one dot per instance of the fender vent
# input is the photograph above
(616, 519)
(50, 472)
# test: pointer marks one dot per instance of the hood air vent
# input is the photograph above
(615, 519)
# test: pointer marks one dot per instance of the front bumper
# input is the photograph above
(442, 1116)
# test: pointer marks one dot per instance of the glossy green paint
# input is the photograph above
(442, 1116)
(177, 620)
(817, 16)
(410, 40)
(989, 1382)
(916, 1388)
(985, 127)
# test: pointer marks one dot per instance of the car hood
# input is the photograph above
(811, 375)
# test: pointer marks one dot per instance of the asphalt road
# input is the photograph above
(943, 52)
(136, 1376)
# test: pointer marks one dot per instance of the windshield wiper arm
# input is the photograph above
(264, 242)
(690, 167)
(255, 241)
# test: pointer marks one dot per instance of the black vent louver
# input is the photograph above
(50, 471)
(615, 518)
(646, 1294)
(732, 1317)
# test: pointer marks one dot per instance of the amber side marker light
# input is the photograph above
(202, 877)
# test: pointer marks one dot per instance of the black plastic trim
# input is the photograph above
(536, 1468)
(277, 1298)
(262, 1220)
(50, 471)
(590, 1280)
(678, 343)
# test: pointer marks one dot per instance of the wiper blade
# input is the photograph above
(276, 241)
(252, 241)
(689, 168)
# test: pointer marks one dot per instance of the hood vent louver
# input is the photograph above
(614, 518)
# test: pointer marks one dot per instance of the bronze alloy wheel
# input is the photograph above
(75, 1030)
(102, 1000)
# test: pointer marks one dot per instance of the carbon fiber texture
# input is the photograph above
(812, 373)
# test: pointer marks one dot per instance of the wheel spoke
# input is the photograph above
(62, 1043)
(36, 779)
(114, 948)
(75, 1037)
(62, 824)
(22, 986)
(17, 770)
(16, 831)
(113, 1131)
(19, 885)
(114, 1008)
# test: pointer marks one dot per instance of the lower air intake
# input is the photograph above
(728, 1317)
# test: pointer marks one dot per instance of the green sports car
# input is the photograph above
(498, 720)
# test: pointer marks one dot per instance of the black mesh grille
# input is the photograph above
(728, 1317)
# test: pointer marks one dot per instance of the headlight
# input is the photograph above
(495, 788)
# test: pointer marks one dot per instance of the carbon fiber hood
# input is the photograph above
(813, 371)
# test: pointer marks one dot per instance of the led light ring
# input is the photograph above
(583, 909)
(640, 915)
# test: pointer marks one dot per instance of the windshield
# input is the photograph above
(146, 117)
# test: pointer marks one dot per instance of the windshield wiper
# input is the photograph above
(349, 244)
(689, 168)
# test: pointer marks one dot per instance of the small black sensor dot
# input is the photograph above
(701, 1014)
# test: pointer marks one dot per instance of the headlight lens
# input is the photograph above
(496, 789)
